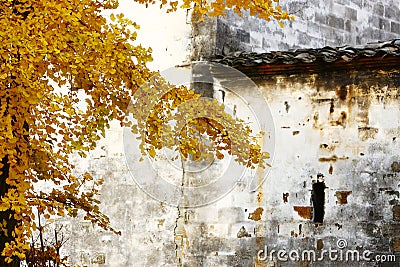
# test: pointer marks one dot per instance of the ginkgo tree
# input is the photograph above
(50, 51)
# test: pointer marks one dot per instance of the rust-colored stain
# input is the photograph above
(320, 244)
(260, 178)
(395, 244)
(256, 215)
(261, 262)
(342, 197)
(285, 197)
(332, 159)
(259, 197)
(396, 213)
(304, 211)
(330, 169)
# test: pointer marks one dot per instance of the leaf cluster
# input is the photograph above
(65, 73)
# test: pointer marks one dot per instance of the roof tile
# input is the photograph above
(326, 54)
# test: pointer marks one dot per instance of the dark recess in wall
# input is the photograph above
(318, 201)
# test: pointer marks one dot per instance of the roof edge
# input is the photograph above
(373, 55)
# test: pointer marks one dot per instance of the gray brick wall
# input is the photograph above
(318, 23)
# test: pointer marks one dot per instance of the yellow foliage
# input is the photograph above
(48, 44)
(265, 9)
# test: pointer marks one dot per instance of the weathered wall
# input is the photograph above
(318, 23)
(147, 226)
(337, 128)
(342, 129)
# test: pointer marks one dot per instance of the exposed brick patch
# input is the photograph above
(320, 244)
(396, 213)
(243, 233)
(342, 197)
(391, 229)
(256, 215)
(395, 167)
(304, 211)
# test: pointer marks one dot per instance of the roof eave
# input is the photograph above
(364, 63)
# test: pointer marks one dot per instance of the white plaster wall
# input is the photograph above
(168, 34)
(147, 226)
(154, 234)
